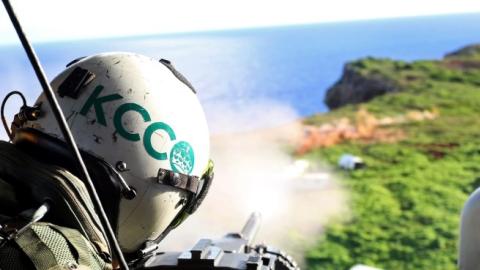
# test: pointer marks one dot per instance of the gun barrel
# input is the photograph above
(251, 227)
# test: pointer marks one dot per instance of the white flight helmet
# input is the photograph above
(144, 120)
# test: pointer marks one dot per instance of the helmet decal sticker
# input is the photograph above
(95, 101)
(182, 158)
(117, 120)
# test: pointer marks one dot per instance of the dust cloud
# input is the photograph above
(255, 172)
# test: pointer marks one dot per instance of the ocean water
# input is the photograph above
(256, 77)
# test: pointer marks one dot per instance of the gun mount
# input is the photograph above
(233, 251)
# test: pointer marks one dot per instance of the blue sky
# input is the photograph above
(50, 20)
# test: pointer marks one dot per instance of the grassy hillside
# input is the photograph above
(406, 203)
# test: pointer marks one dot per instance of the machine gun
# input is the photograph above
(233, 251)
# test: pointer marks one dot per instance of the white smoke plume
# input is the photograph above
(254, 172)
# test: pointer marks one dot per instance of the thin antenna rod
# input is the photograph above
(60, 117)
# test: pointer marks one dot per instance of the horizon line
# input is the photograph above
(233, 29)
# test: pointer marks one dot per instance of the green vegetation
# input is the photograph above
(406, 203)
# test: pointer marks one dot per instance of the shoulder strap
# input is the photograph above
(38, 252)
(52, 247)
(86, 254)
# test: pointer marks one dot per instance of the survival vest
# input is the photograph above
(68, 237)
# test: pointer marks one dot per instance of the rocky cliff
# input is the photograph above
(367, 78)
